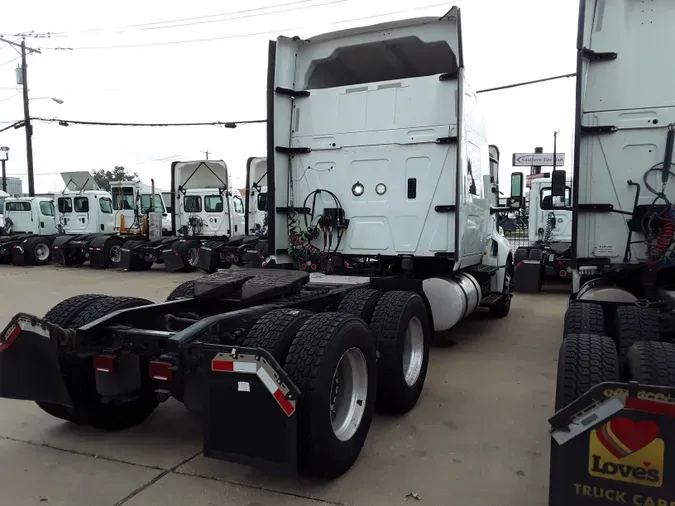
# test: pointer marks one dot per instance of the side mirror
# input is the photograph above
(516, 199)
(558, 180)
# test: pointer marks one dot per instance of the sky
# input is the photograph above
(123, 62)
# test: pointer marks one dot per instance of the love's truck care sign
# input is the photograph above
(626, 457)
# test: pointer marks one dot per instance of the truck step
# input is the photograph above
(491, 299)
(485, 269)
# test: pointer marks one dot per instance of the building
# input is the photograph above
(14, 186)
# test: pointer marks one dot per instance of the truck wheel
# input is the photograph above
(185, 290)
(38, 251)
(189, 252)
(635, 324)
(81, 382)
(502, 308)
(276, 330)
(585, 360)
(651, 363)
(62, 314)
(112, 252)
(140, 264)
(332, 361)
(584, 318)
(520, 255)
(402, 334)
(360, 302)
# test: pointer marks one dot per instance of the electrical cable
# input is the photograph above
(226, 124)
(238, 36)
(527, 83)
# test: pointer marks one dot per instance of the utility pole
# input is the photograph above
(206, 153)
(555, 147)
(26, 121)
(26, 111)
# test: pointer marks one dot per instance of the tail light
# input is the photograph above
(160, 370)
(105, 363)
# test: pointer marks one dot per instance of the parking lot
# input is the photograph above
(477, 437)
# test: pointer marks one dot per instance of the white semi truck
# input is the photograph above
(549, 229)
(613, 432)
(382, 174)
(29, 230)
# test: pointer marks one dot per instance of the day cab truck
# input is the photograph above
(382, 176)
(29, 230)
(549, 229)
(3, 196)
(613, 433)
(96, 224)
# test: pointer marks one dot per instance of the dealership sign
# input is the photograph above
(537, 159)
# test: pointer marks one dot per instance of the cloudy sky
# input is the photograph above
(203, 60)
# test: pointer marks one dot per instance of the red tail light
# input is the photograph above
(105, 363)
(9, 337)
(160, 370)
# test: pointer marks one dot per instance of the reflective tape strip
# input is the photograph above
(220, 365)
(275, 390)
(267, 380)
(28, 326)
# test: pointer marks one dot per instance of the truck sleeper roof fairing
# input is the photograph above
(622, 122)
(385, 104)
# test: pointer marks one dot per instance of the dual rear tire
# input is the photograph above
(344, 368)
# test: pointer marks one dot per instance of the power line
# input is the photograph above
(226, 124)
(10, 61)
(526, 83)
(16, 124)
(156, 24)
(242, 35)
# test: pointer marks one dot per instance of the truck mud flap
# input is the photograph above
(249, 415)
(97, 252)
(59, 252)
(29, 362)
(19, 255)
(172, 259)
(614, 445)
(208, 257)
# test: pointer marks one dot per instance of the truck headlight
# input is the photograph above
(357, 189)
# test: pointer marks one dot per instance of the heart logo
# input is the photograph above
(646, 463)
(622, 436)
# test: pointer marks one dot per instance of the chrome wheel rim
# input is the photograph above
(116, 253)
(193, 255)
(42, 252)
(413, 351)
(349, 390)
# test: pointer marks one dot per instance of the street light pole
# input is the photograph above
(4, 153)
(26, 117)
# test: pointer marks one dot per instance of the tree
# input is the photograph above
(103, 177)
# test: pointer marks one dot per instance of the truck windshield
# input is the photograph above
(17, 206)
(145, 203)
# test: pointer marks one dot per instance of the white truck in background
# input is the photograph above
(3, 196)
(30, 228)
(549, 229)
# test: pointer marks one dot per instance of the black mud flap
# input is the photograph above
(208, 257)
(615, 445)
(249, 413)
(172, 260)
(97, 257)
(29, 362)
(19, 255)
(59, 251)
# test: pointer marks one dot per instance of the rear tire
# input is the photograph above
(360, 302)
(38, 251)
(80, 379)
(402, 334)
(333, 417)
(185, 290)
(536, 254)
(635, 324)
(651, 363)
(502, 308)
(584, 361)
(276, 330)
(112, 253)
(584, 318)
(188, 251)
